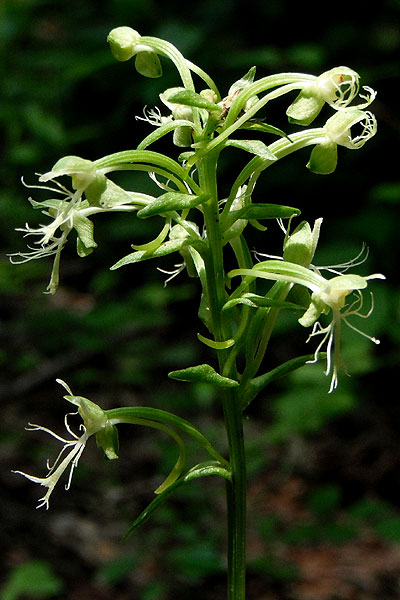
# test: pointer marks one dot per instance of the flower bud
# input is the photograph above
(122, 42)
(299, 247)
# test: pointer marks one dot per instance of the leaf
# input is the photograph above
(214, 344)
(254, 386)
(171, 201)
(255, 301)
(162, 130)
(203, 373)
(253, 212)
(166, 248)
(265, 128)
(254, 147)
(201, 470)
(269, 211)
(156, 243)
(190, 98)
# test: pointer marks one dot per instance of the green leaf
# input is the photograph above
(254, 212)
(215, 344)
(204, 374)
(254, 147)
(201, 470)
(255, 301)
(171, 201)
(166, 248)
(190, 98)
(269, 211)
(254, 386)
(162, 130)
(265, 128)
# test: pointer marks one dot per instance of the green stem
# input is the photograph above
(235, 490)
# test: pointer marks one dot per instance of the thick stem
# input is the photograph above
(235, 490)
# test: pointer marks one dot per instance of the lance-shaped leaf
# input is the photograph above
(256, 301)
(203, 374)
(166, 248)
(265, 128)
(171, 201)
(254, 212)
(191, 98)
(201, 470)
(214, 344)
(162, 130)
(255, 385)
(254, 147)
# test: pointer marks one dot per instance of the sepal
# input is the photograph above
(148, 64)
(306, 107)
(122, 41)
(107, 439)
(323, 158)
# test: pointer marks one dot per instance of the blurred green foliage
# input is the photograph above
(33, 579)
(116, 334)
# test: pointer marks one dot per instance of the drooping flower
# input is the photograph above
(94, 421)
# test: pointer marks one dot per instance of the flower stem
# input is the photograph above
(216, 294)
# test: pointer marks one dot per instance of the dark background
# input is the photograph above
(324, 476)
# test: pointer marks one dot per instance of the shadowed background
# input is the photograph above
(324, 475)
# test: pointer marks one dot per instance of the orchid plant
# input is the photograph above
(239, 306)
